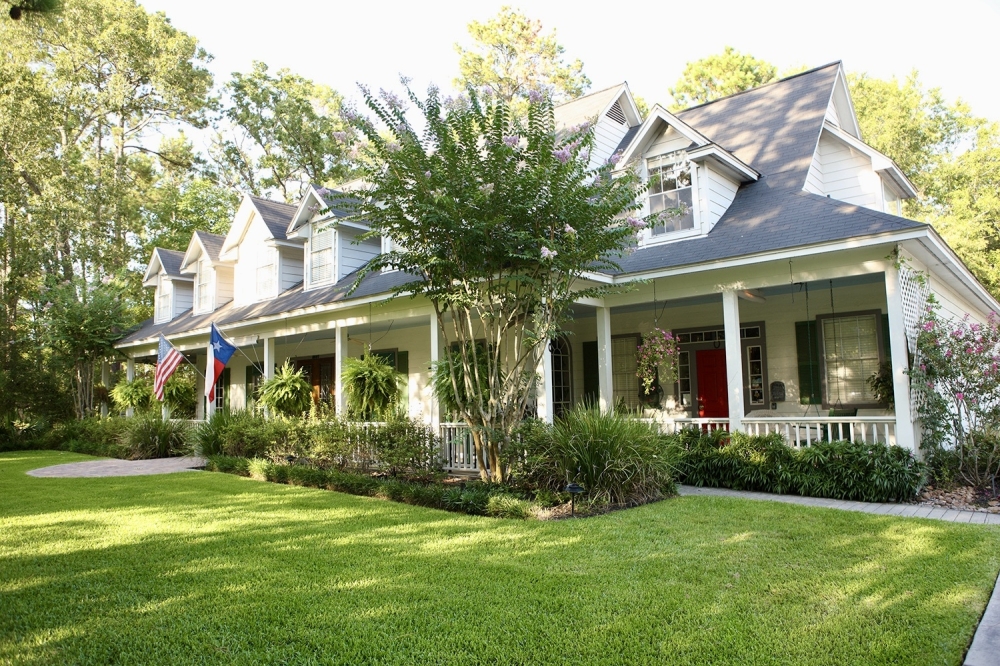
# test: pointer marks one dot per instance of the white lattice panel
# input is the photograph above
(914, 291)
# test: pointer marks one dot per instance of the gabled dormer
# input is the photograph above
(614, 112)
(173, 294)
(845, 168)
(213, 278)
(333, 248)
(690, 179)
(265, 262)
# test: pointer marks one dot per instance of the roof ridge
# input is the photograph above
(590, 94)
(272, 201)
(760, 87)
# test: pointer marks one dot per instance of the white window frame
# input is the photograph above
(203, 286)
(833, 396)
(672, 160)
(316, 230)
(267, 262)
(164, 301)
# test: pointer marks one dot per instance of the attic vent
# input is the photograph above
(616, 114)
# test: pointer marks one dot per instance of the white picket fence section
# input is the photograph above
(457, 448)
(805, 431)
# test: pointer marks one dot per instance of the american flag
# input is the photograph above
(167, 360)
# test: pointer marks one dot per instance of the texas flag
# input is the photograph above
(219, 353)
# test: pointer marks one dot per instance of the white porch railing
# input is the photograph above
(797, 430)
(457, 448)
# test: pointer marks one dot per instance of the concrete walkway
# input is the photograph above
(885, 509)
(115, 467)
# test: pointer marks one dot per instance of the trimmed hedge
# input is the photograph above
(857, 471)
(475, 498)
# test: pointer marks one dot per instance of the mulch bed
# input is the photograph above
(962, 498)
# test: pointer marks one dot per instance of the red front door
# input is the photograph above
(711, 370)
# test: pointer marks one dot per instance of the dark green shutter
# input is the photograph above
(807, 347)
(591, 376)
(403, 367)
(403, 362)
(886, 354)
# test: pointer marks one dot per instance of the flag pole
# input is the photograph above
(228, 339)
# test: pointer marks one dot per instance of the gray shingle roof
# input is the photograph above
(773, 128)
(212, 244)
(291, 300)
(170, 260)
(276, 215)
(768, 216)
(583, 109)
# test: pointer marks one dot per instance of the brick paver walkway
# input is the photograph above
(887, 509)
(114, 467)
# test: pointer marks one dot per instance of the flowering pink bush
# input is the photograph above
(956, 378)
(656, 358)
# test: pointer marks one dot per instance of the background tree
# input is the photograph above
(720, 75)
(282, 133)
(499, 221)
(511, 57)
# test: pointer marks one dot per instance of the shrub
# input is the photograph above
(372, 386)
(402, 446)
(180, 393)
(136, 394)
(228, 465)
(869, 472)
(508, 506)
(242, 433)
(615, 457)
(149, 436)
(287, 392)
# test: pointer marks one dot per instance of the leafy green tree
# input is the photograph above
(284, 132)
(720, 75)
(499, 220)
(917, 128)
(512, 56)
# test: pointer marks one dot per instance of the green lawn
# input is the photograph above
(212, 568)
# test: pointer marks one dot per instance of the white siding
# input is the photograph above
(351, 257)
(162, 309)
(245, 271)
(667, 141)
(291, 267)
(831, 113)
(844, 173)
(607, 135)
(223, 285)
(183, 297)
(716, 193)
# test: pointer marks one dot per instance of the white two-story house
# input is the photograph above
(789, 277)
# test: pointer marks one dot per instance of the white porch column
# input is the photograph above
(899, 358)
(435, 357)
(106, 382)
(130, 376)
(338, 369)
(605, 397)
(268, 362)
(543, 395)
(734, 358)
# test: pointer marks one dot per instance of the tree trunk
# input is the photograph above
(477, 441)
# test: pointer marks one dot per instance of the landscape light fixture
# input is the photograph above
(573, 489)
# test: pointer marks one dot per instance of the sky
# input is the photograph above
(952, 45)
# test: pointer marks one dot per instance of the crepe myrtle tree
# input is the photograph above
(498, 217)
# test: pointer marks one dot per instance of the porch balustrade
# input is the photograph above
(801, 431)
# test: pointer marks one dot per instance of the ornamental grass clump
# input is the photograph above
(150, 436)
(616, 458)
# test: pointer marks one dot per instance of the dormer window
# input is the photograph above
(163, 301)
(265, 273)
(204, 294)
(321, 254)
(670, 190)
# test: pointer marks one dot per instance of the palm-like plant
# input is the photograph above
(372, 386)
(287, 393)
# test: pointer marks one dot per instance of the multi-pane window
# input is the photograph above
(204, 293)
(265, 272)
(562, 384)
(321, 254)
(755, 374)
(163, 301)
(670, 193)
(684, 379)
(624, 381)
(851, 356)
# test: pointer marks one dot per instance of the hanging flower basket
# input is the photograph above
(656, 361)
